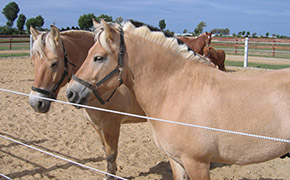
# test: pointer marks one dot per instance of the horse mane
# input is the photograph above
(167, 42)
(44, 40)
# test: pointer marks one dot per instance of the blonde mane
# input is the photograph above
(167, 42)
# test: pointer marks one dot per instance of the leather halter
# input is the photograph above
(118, 69)
(52, 93)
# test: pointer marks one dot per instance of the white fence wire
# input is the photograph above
(126, 114)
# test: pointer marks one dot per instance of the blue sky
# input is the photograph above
(258, 16)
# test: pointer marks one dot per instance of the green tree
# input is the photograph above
(20, 22)
(30, 22)
(162, 24)
(10, 11)
(105, 17)
(39, 21)
(85, 21)
(254, 35)
(199, 28)
(119, 20)
(34, 22)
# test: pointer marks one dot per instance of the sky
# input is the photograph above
(260, 16)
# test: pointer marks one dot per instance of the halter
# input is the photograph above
(52, 93)
(118, 69)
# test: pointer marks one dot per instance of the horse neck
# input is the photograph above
(77, 44)
(153, 69)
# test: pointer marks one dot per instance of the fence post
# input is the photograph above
(30, 44)
(273, 48)
(246, 52)
(236, 46)
(10, 43)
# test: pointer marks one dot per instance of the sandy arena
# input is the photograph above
(64, 131)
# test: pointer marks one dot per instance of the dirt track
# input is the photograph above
(64, 131)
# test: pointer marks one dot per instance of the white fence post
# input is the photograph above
(246, 52)
(30, 44)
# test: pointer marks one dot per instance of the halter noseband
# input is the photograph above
(118, 69)
(52, 93)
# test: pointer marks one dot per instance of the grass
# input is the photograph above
(256, 65)
(14, 55)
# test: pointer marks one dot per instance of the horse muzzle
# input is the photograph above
(38, 104)
(77, 93)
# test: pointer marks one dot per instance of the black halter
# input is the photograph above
(118, 70)
(52, 93)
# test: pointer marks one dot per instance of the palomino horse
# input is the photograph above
(172, 83)
(216, 56)
(197, 44)
(56, 57)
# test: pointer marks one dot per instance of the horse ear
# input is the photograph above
(34, 33)
(95, 23)
(55, 33)
(108, 30)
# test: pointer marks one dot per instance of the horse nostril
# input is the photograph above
(72, 96)
(69, 94)
(39, 104)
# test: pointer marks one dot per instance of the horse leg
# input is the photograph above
(222, 67)
(111, 132)
(196, 170)
(177, 170)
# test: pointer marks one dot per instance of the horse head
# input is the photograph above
(50, 67)
(102, 70)
(208, 38)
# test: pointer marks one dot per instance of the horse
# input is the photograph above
(56, 56)
(172, 83)
(197, 43)
(216, 56)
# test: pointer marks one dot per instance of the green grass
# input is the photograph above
(14, 55)
(256, 65)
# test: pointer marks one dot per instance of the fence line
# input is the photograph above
(11, 39)
(59, 157)
(152, 118)
(272, 46)
(6, 177)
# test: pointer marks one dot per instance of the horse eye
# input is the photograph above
(98, 58)
(54, 64)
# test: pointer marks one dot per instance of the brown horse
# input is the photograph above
(197, 44)
(56, 57)
(216, 56)
(172, 83)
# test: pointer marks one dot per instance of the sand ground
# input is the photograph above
(64, 131)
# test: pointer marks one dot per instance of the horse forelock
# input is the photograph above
(43, 41)
(167, 42)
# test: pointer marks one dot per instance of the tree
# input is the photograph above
(199, 28)
(39, 21)
(162, 24)
(104, 17)
(10, 11)
(20, 22)
(34, 22)
(119, 20)
(254, 35)
(85, 21)
(30, 22)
